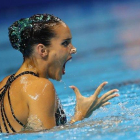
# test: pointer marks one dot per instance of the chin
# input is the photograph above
(58, 77)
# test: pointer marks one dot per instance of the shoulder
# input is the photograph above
(3, 82)
(41, 89)
(32, 84)
(43, 85)
(42, 101)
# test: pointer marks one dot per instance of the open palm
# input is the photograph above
(86, 105)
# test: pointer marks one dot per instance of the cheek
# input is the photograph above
(59, 55)
(53, 55)
(57, 59)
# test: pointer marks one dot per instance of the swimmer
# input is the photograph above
(28, 100)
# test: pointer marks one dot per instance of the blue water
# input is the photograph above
(106, 36)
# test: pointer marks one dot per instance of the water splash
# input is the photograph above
(34, 97)
(34, 123)
(24, 81)
(65, 86)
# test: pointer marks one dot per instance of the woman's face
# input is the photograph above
(60, 51)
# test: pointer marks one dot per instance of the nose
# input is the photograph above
(73, 50)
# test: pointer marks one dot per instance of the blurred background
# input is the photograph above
(106, 34)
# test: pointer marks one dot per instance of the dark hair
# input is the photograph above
(26, 32)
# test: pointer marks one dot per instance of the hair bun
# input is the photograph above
(16, 35)
(25, 29)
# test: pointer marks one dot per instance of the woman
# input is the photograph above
(28, 98)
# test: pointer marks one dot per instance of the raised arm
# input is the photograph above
(86, 105)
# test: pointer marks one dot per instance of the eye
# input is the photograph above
(65, 43)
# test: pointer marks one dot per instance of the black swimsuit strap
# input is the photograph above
(5, 88)
(6, 119)
(13, 111)
(25, 72)
(3, 119)
(11, 79)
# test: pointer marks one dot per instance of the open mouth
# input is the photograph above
(63, 69)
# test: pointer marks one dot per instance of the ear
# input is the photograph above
(42, 50)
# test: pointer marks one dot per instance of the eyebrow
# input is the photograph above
(67, 39)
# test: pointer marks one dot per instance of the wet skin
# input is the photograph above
(35, 97)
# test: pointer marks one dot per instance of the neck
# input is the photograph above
(34, 65)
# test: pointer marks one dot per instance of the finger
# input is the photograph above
(76, 90)
(98, 90)
(107, 103)
(88, 114)
(110, 97)
(108, 93)
(99, 105)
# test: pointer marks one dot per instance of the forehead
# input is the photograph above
(62, 31)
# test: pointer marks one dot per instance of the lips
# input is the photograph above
(63, 69)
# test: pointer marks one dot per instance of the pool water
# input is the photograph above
(108, 48)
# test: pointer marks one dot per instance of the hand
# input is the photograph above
(86, 105)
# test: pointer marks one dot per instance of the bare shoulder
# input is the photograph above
(43, 85)
(3, 82)
(41, 102)
(41, 88)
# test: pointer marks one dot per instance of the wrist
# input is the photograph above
(77, 117)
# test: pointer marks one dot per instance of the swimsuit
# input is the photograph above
(60, 116)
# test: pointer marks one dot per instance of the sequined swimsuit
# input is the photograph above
(59, 115)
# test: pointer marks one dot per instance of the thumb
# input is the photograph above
(76, 90)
